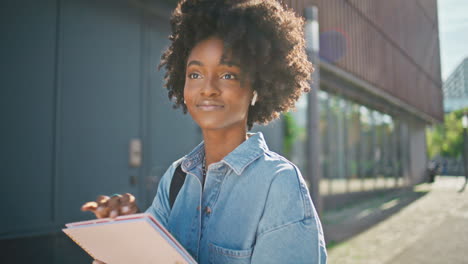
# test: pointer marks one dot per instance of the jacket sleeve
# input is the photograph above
(290, 230)
(160, 207)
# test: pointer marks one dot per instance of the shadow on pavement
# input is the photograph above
(351, 219)
(464, 186)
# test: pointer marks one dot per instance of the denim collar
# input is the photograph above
(237, 160)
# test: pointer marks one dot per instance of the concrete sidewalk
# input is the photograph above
(431, 229)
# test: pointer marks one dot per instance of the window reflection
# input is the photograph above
(362, 149)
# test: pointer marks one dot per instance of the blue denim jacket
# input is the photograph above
(254, 208)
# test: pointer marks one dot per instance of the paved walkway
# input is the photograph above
(431, 229)
(338, 186)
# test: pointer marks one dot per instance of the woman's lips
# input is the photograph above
(210, 107)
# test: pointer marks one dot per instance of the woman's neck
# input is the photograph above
(218, 144)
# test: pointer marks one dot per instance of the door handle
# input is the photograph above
(135, 153)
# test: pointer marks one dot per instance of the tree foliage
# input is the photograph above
(446, 139)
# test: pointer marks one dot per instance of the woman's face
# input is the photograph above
(214, 94)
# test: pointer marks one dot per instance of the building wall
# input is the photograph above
(383, 55)
(418, 149)
(456, 85)
(456, 88)
(393, 45)
(27, 114)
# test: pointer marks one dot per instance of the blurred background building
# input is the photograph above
(456, 88)
(81, 92)
(380, 86)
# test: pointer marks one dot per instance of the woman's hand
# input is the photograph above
(113, 206)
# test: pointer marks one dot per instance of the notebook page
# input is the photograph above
(128, 241)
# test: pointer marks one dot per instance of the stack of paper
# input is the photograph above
(137, 238)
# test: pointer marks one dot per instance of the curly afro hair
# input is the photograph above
(265, 38)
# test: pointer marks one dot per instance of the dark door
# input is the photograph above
(27, 87)
(99, 102)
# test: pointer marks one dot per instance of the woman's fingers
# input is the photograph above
(127, 204)
(102, 199)
(98, 207)
(99, 211)
(89, 206)
(102, 211)
(127, 198)
(113, 206)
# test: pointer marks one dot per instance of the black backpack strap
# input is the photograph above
(177, 181)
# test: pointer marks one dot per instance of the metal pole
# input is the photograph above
(313, 144)
(465, 152)
(465, 144)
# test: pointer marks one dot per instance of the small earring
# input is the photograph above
(254, 98)
(185, 102)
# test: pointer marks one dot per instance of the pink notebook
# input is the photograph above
(137, 238)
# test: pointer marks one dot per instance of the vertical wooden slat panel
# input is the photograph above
(363, 45)
(345, 28)
(335, 25)
(391, 44)
(353, 49)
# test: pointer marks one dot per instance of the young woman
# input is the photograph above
(231, 64)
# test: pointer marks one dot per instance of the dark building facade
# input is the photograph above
(380, 85)
(79, 85)
(456, 88)
(393, 46)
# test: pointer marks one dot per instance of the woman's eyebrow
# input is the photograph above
(195, 62)
(229, 63)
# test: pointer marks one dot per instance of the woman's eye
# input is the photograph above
(229, 76)
(194, 76)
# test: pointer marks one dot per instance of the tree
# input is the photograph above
(446, 139)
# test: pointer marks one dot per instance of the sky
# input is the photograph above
(453, 34)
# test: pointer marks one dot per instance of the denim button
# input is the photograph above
(208, 210)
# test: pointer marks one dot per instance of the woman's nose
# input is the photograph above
(210, 88)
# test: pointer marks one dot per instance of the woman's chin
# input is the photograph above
(220, 125)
